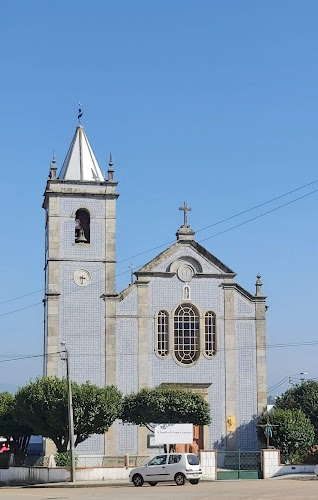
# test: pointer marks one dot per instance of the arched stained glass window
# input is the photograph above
(162, 333)
(210, 334)
(186, 334)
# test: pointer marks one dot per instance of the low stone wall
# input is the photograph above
(111, 461)
(17, 476)
(294, 469)
(103, 474)
(273, 468)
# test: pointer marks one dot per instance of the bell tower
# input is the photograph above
(80, 267)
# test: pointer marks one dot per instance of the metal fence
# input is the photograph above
(239, 464)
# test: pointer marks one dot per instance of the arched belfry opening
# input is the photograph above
(82, 226)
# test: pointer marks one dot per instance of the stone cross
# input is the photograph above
(185, 209)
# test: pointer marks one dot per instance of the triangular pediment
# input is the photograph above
(189, 251)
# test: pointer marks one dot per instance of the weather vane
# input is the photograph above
(80, 113)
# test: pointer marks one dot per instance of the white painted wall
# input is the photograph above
(208, 465)
(38, 475)
(273, 468)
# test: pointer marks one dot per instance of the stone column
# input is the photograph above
(52, 292)
(110, 311)
(230, 362)
(143, 347)
(261, 354)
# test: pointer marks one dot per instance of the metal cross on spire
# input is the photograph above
(185, 209)
(80, 113)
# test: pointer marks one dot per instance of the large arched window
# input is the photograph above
(210, 334)
(186, 334)
(82, 226)
(162, 333)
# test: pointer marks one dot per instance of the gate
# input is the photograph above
(239, 465)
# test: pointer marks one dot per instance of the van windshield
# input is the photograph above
(193, 460)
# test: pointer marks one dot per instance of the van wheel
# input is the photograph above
(179, 479)
(152, 483)
(193, 481)
(138, 480)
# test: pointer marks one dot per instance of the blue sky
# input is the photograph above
(212, 102)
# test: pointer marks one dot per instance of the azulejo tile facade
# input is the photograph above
(211, 340)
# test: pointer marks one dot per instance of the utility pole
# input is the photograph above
(70, 414)
(291, 381)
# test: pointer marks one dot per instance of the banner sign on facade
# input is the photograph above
(174, 434)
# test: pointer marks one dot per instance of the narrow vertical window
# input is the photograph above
(186, 334)
(82, 226)
(162, 333)
(210, 334)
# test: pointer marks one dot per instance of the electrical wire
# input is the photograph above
(73, 355)
(209, 237)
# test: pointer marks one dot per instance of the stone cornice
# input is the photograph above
(166, 274)
(244, 292)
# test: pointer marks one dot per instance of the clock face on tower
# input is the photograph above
(82, 277)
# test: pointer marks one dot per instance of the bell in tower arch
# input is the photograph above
(82, 228)
(81, 236)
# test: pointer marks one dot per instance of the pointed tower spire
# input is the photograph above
(110, 170)
(80, 163)
(53, 169)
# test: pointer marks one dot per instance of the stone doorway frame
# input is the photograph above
(200, 388)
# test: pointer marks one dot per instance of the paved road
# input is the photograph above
(283, 489)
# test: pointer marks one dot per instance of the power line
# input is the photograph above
(126, 354)
(260, 215)
(275, 386)
(21, 296)
(258, 206)
(202, 229)
(21, 309)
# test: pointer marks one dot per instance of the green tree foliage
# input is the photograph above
(303, 397)
(293, 433)
(10, 427)
(166, 405)
(43, 406)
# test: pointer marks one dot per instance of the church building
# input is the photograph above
(184, 320)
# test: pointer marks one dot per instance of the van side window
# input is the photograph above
(174, 459)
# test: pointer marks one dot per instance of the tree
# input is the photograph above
(164, 404)
(43, 406)
(10, 427)
(303, 397)
(293, 433)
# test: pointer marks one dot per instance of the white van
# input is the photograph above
(177, 467)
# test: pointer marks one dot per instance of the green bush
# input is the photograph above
(62, 459)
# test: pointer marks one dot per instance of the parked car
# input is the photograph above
(177, 467)
(316, 470)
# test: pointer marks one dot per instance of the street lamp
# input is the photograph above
(290, 382)
(70, 412)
